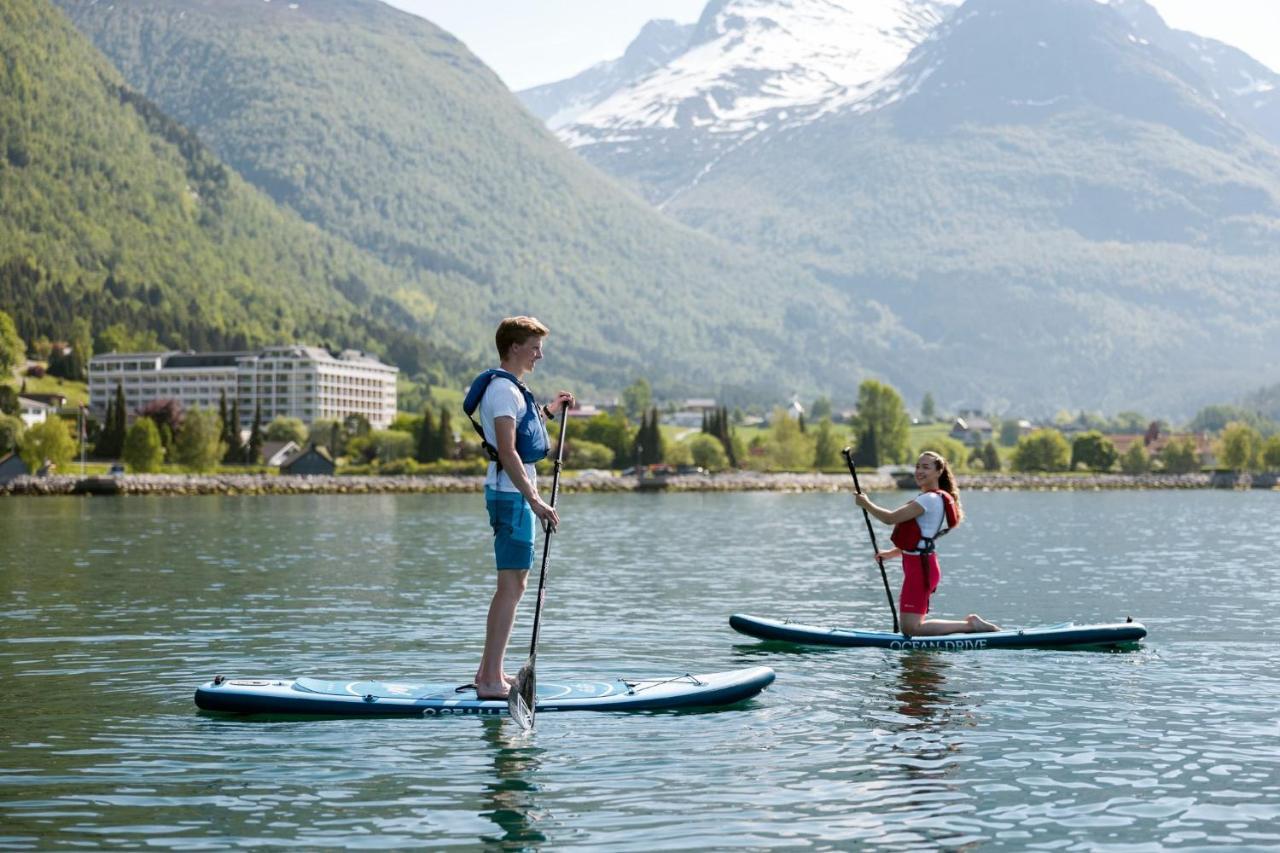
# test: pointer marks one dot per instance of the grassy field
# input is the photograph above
(77, 393)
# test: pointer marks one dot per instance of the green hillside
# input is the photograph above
(382, 129)
(115, 213)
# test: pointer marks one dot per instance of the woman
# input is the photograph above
(917, 524)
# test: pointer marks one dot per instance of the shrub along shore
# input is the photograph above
(271, 484)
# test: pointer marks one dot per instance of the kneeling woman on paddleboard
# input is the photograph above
(917, 524)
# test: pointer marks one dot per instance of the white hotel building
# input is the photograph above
(301, 382)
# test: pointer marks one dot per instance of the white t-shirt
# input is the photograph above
(502, 399)
(931, 519)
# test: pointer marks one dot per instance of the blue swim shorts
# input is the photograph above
(511, 518)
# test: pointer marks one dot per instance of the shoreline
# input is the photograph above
(272, 484)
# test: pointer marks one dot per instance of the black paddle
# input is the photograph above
(521, 699)
(853, 469)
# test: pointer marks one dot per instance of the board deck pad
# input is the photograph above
(338, 697)
(1067, 635)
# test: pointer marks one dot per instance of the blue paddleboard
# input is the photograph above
(404, 698)
(1068, 635)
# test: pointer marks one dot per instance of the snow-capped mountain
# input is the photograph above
(561, 103)
(749, 64)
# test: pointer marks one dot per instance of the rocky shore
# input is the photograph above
(270, 484)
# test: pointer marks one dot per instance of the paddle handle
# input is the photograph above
(853, 469)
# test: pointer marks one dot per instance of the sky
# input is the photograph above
(529, 42)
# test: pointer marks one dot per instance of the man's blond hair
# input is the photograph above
(517, 330)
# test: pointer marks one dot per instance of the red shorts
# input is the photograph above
(914, 597)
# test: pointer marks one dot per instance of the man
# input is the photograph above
(515, 436)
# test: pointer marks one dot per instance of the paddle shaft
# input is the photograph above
(546, 542)
(893, 608)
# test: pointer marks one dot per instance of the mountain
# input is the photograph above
(1039, 195)
(112, 213)
(1244, 88)
(561, 102)
(381, 129)
(750, 65)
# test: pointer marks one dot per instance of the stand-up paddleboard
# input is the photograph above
(409, 699)
(1068, 635)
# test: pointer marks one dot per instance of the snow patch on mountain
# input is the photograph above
(758, 57)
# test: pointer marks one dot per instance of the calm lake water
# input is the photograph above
(115, 609)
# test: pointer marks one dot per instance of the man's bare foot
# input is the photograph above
(510, 679)
(980, 625)
(492, 690)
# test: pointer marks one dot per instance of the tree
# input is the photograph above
(106, 446)
(231, 435)
(990, 457)
(444, 436)
(8, 400)
(283, 428)
(428, 444)
(707, 452)
(1240, 447)
(253, 450)
(1270, 453)
(198, 445)
(581, 453)
(143, 451)
(1180, 456)
(927, 410)
(1094, 451)
(882, 424)
(788, 449)
(1010, 432)
(50, 440)
(1042, 450)
(1135, 460)
(1216, 418)
(637, 398)
(10, 432)
(820, 409)
(81, 341)
(389, 445)
(826, 445)
(614, 432)
(13, 352)
(649, 446)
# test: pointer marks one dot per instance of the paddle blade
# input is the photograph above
(520, 700)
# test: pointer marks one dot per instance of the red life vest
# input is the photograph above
(908, 534)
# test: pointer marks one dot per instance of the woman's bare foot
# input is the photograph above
(979, 625)
(492, 690)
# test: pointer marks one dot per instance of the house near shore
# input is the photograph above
(12, 467)
(33, 412)
(311, 462)
(973, 431)
(276, 453)
(1155, 443)
(691, 412)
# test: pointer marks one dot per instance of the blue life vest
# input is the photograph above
(532, 442)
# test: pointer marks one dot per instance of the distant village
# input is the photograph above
(303, 410)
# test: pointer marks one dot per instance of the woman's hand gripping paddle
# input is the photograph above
(853, 469)
(522, 698)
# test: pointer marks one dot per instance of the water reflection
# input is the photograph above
(921, 692)
(511, 796)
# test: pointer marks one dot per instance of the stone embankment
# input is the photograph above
(270, 484)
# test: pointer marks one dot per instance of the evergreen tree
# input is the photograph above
(990, 457)
(444, 436)
(725, 434)
(927, 407)
(235, 449)
(120, 426)
(867, 453)
(427, 441)
(655, 449)
(105, 442)
(253, 451)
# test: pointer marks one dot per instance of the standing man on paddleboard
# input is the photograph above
(917, 524)
(514, 434)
